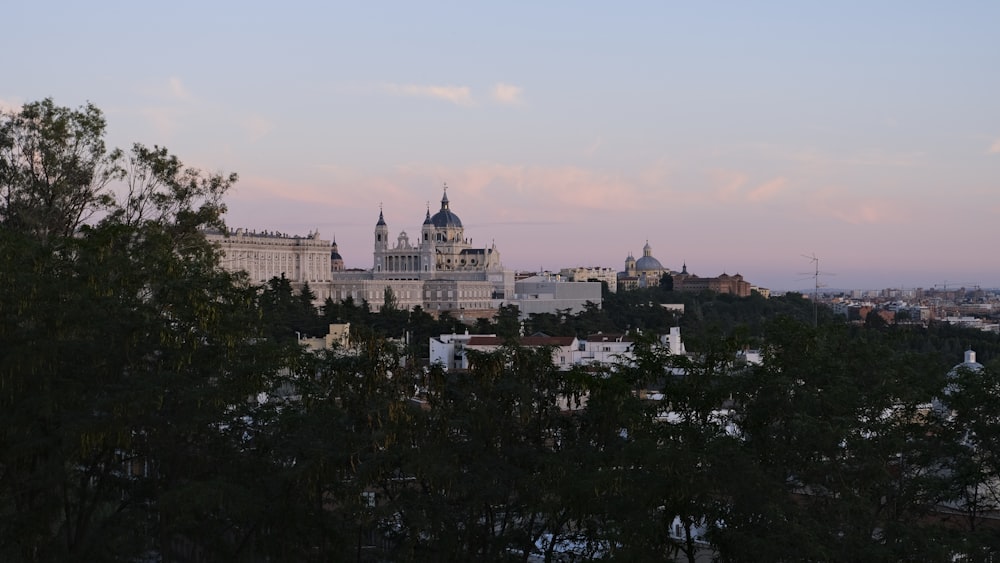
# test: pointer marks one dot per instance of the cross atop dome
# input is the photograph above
(444, 218)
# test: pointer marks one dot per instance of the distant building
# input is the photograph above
(594, 273)
(644, 272)
(449, 350)
(266, 254)
(733, 285)
(338, 338)
(439, 271)
(647, 271)
(550, 294)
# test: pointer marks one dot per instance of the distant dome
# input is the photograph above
(969, 363)
(445, 218)
(648, 263)
(335, 251)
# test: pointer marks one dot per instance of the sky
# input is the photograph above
(736, 137)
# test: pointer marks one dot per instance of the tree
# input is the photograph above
(967, 405)
(389, 302)
(487, 463)
(127, 354)
(54, 168)
(508, 325)
(835, 460)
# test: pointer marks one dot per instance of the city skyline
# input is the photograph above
(741, 139)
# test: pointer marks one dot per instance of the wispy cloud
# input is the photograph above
(458, 95)
(166, 90)
(995, 147)
(256, 126)
(730, 184)
(164, 120)
(734, 188)
(508, 94)
(177, 90)
(767, 190)
(865, 211)
(820, 157)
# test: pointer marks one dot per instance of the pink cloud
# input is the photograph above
(458, 95)
(508, 94)
(730, 183)
(732, 188)
(536, 190)
(767, 190)
(865, 211)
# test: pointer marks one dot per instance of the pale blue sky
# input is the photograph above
(735, 136)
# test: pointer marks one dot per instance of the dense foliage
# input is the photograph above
(155, 408)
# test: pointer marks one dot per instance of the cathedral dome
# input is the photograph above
(648, 263)
(444, 218)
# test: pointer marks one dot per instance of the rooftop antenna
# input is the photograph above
(816, 285)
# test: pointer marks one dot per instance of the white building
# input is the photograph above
(264, 255)
(439, 271)
(593, 273)
(449, 350)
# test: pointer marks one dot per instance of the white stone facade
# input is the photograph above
(594, 273)
(265, 255)
(440, 271)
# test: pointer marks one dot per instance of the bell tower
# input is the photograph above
(381, 241)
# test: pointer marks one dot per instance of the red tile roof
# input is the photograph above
(523, 341)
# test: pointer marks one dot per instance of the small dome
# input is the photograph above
(335, 251)
(969, 363)
(445, 218)
(648, 263)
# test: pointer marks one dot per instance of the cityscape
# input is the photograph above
(736, 140)
(440, 272)
(523, 282)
